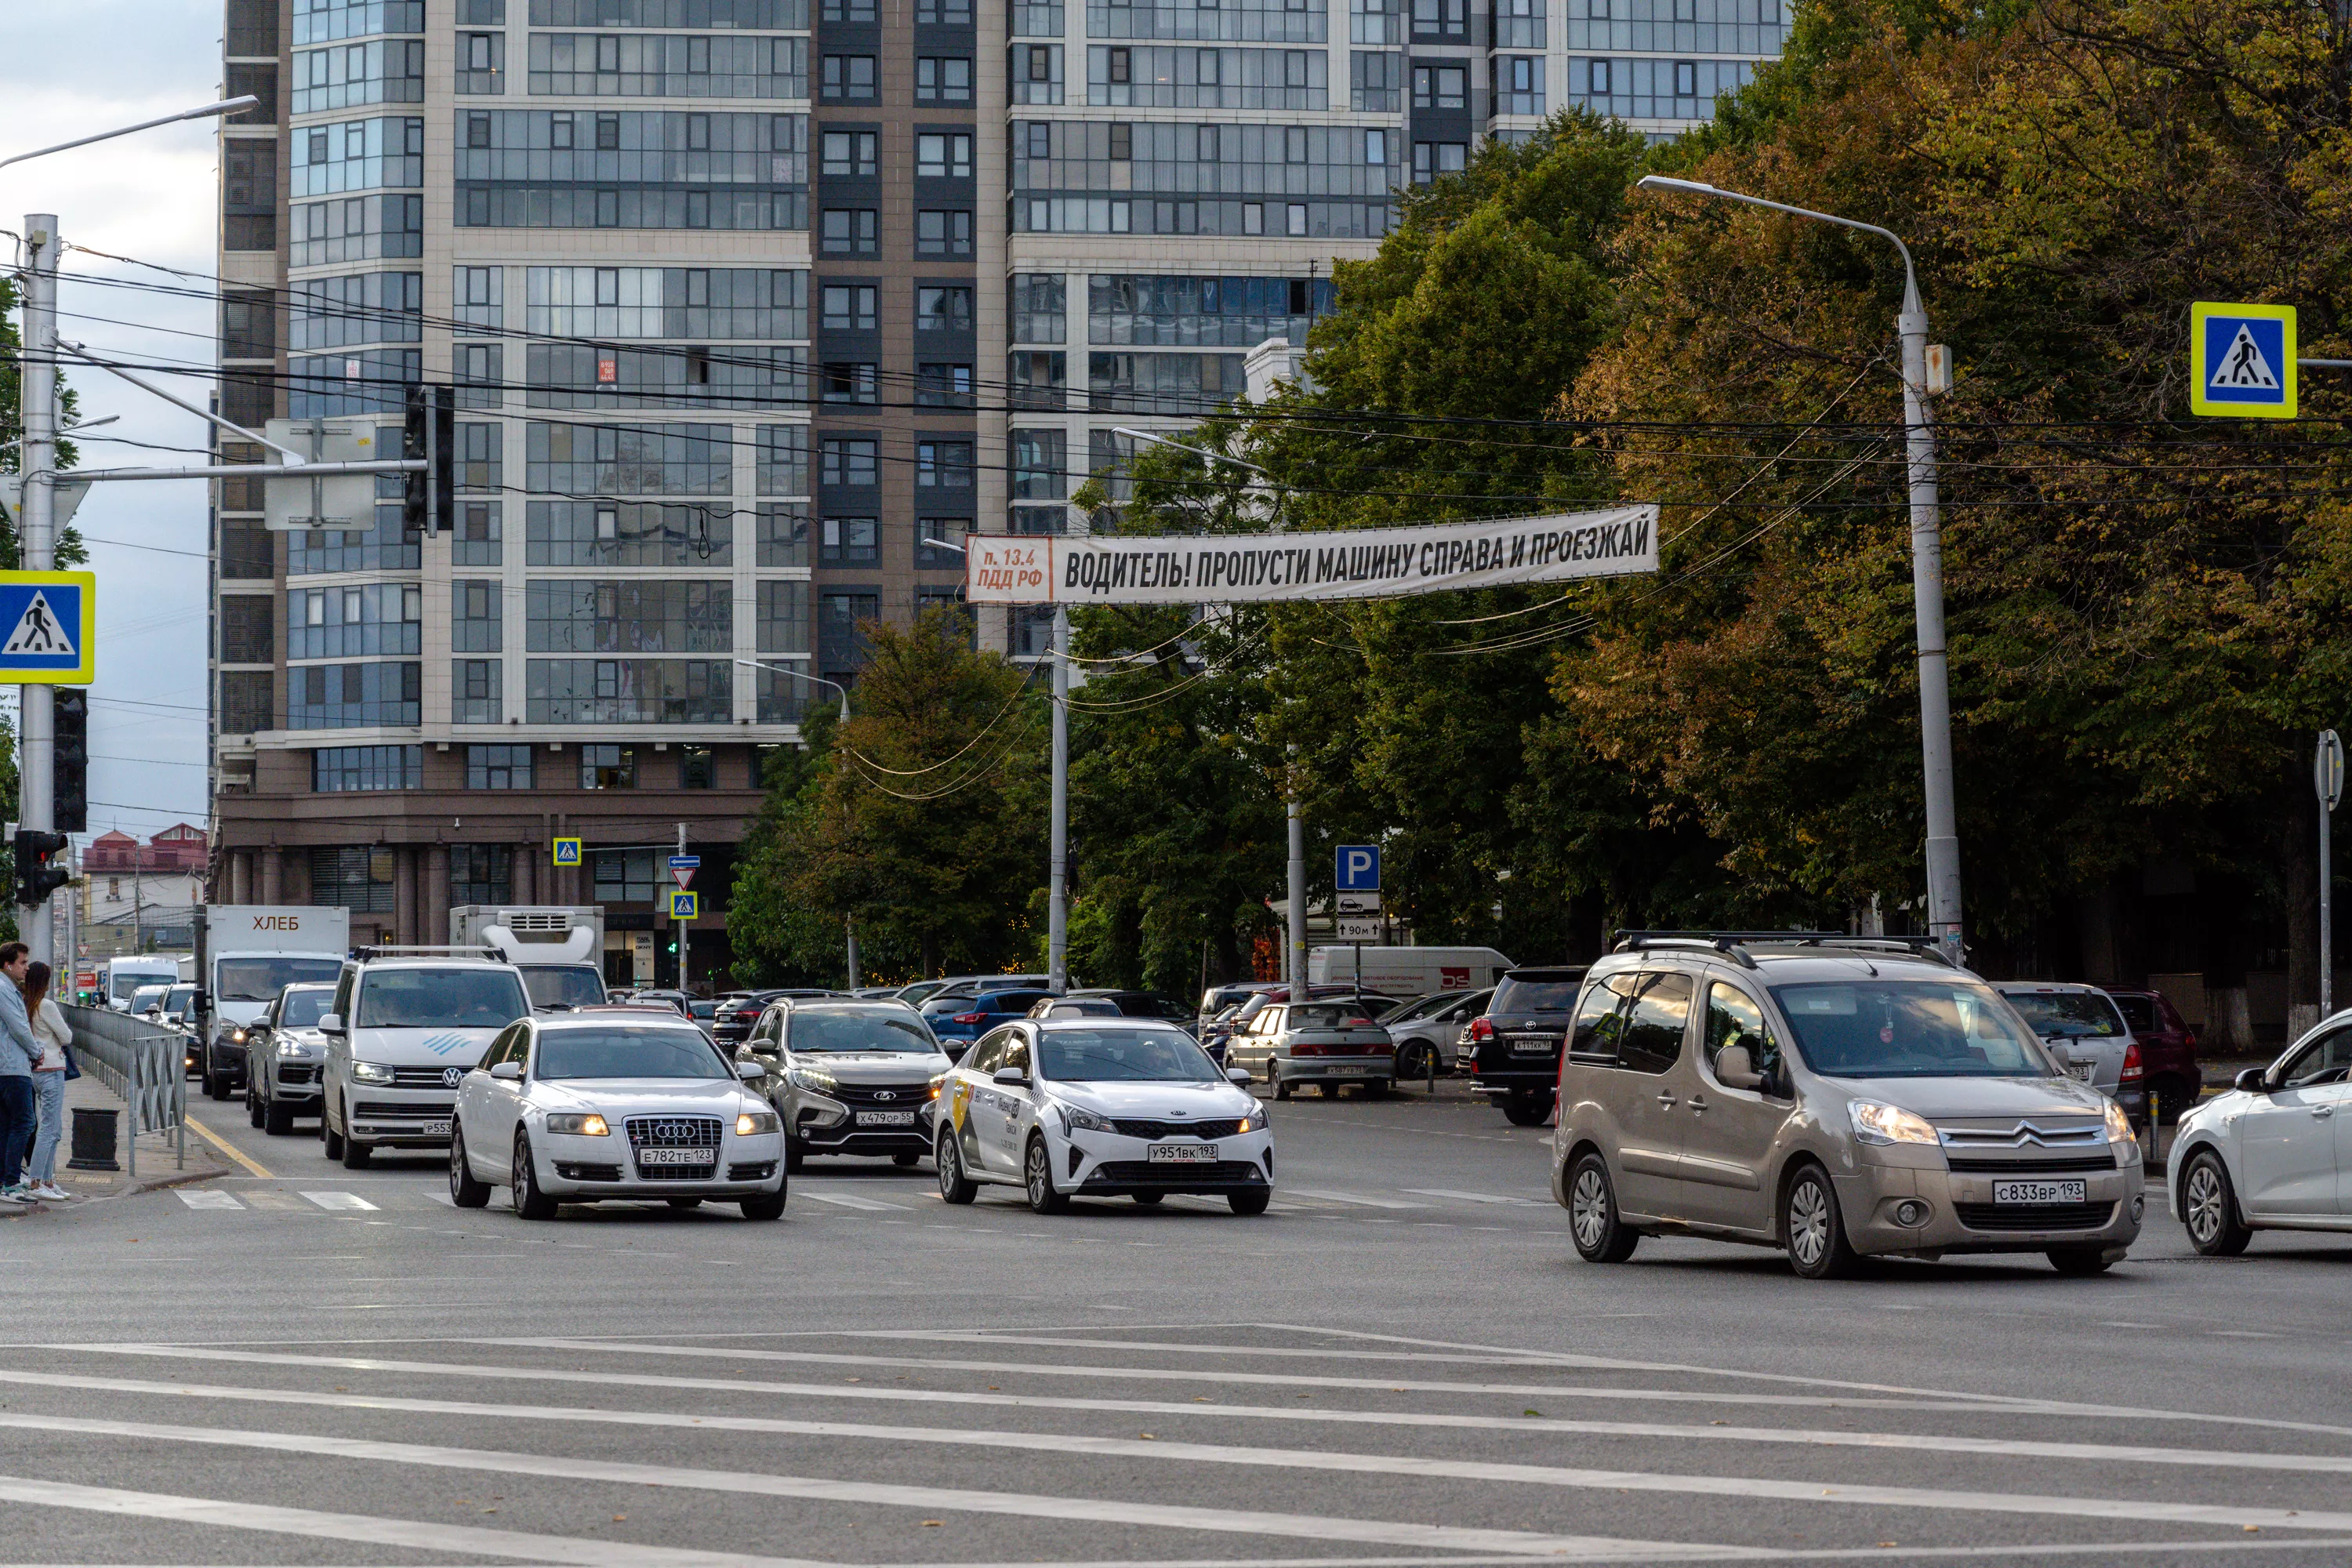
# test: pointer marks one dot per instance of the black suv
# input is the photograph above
(1512, 1053)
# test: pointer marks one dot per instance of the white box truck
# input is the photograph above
(1407, 972)
(253, 951)
(559, 947)
(118, 977)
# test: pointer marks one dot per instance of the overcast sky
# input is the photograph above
(68, 70)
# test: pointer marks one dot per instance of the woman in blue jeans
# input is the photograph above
(50, 1029)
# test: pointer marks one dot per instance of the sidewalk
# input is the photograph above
(158, 1155)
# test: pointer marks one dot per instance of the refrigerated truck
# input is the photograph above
(560, 948)
(253, 951)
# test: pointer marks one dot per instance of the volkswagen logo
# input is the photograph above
(885, 1094)
(452, 1077)
(674, 1132)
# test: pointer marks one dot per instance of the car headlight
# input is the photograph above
(814, 1082)
(1075, 1119)
(1255, 1121)
(1877, 1124)
(371, 1072)
(590, 1125)
(295, 1048)
(753, 1122)
(237, 1037)
(2119, 1127)
(938, 1084)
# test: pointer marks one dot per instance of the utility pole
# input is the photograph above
(1294, 939)
(849, 929)
(1057, 928)
(679, 927)
(2327, 774)
(36, 544)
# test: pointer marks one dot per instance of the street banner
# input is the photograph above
(1348, 563)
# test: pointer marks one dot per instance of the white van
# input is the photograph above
(119, 977)
(1407, 972)
(404, 1030)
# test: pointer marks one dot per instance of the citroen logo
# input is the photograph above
(885, 1094)
(453, 1075)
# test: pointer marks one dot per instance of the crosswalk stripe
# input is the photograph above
(1474, 1197)
(1362, 1199)
(207, 1198)
(1123, 1511)
(421, 1534)
(850, 1200)
(338, 1201)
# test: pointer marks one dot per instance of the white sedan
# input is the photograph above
(1133, 1108)
(2272, 1151)
(613, 1104)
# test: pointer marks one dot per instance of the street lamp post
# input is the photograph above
(1927, 569)
(798, 674)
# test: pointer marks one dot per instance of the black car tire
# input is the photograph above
(946, 1159)
(331, 1139)
(1412, 1059)
(253, 1110)
(215, 1085)
(1527, 1109)
(355, 1153)
(1147, 1199)
(1037, 1179)
(767, 1205)
(1281, 1084)
(684, 1203)
(2079, 1262)
(1812, 1226)
(465, 1190)
(904, 1158)
(1593, 1223)
(1249, 1200)
(2209, 1208)
(277, 1118)
(529, 1201)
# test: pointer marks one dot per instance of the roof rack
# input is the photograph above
(452, 950)
(1733, 943)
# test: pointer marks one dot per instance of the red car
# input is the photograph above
(2168, 1050)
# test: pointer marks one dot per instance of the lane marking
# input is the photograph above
(849, 1201)
(1358, 1198)
(206, 1198)
(224, 1145)
(1027, 1505)
(425, 1536)
(340, 1201)
(1473, 1197)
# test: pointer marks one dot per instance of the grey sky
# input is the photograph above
(67, 70)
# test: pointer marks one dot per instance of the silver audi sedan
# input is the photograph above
(617, 1104)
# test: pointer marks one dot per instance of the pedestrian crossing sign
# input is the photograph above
(567, 851)
(51, 619)
(684, 906)
(2241, 361)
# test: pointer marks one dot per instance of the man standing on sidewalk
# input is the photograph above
(18, 1051)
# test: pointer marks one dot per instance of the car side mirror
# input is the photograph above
(1240, 1076)
(1011, 1077)
(507, 1072)
(747, 1071)
(331, 1024)
(2254, 1080)
(1735, 1070)
(2062, 1057)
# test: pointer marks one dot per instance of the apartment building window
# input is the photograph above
(474, 623)
(783, 624)
(782, 467)
(498, 767)
(943, 232)
(1518, 24)
(1294, 218)
(783, 536)
(848, 78)
(849, 152)
(365, 618)
(1037, 73)
(1040, 459)
(475, 541)
(944, 310)
(943, 13)
(359, 878)
(1685, 79)
(851, 462)
(479, 370)
(608, 767)
(1375, 21)
(632, 615)
(481, 62)
(342, 770)
(950, 533)
(476, 695)
(1441, 18)
(850, 380)
(1038, 308)
(357, 308)
(697, 768)
(480, 296)
(1441, 87)
(631, 459)
(1037, 378)
(942, 78)
(842, 621)
(1376, 81)
(248, 701)
(249, 624)
(848, 307)
(851, 231)
(627, 876)
(481, 873)
(629, 691)
(943, 156)
(1036, 19)
(352, 696)
(943, 384)
(1520, 84)
(1433, 159)
(1376, 147)
(848, 11)
(943, 464)
(851, 541)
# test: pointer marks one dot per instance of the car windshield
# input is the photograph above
(260, 979)
(2068, 1014)
(855, 1029)
(1327, 1016)
(179, 999)
(2139, 1012)
(303, 1009)
(1908, 1028)
(147, 996)
(1128, 1055)
(564, 985)
(440, 998)
(1533, 996)
(630, 1050)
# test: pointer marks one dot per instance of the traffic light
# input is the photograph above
(69, 771)
(428, 499)
(36, 878)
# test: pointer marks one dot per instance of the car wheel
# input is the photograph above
(355, 1153)
(1600, 1235)
(948, 1161)
(1527, 1109)
(529, 1201)
(1249, 1200)
(329, 1138)
(684, 1203)
(1037, 1177)
(1147, 1200)
(2209, 1208)
(2079, 1262)
(253, 1112)
(1813, 1229)
(1413, 1059)
(767, 1205)
(464, 1190)
(276, 1120)
(1281, 1084)
(903, 1159)
(215, 1085)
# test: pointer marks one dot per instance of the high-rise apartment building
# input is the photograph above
(752, 310)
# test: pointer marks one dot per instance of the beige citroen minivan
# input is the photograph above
(1833, 1096)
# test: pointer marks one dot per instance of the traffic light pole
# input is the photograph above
(36, 542)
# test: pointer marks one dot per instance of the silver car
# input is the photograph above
(1327, 1042)
(594, 1106)
(1832, 1096)
(848, 1077)
(2268, 1154)
(285, 1056)
(1426, 1032)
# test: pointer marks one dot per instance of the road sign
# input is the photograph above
(567, 851)
(683, 866)
(65, 495)
(1360, 930)
(684, 906)
(2328, 769)
(48, 622)
(2241, 361)
(1358, 904)
(1358, 868)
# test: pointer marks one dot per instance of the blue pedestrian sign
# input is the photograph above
(1358, 869)
(567, 851)
(2241, 361)
(684, 906)
(48, 625)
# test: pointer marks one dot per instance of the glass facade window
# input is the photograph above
(369, 618)
(355, 309)
(1519, 83)
(630, 876)
(608, 767)
(338, 770)
(386, 547)
(1036, 72)
(1037, 380)
(627, 533)
(631, 169)
(943, 309)
(850, 380)
(944, 14)
(324, 21)
(783, 618)
(850, 461)
(697, 768)
(667, 65)
(352, 696)
(591, 375)
(1036, 19)
(498, 767)
(357, 381)
(1376, 81)
(479, 296)
(943, 464)
(1158, 76)
(850, 231)
(848, 78)
(1443, 19)
(1675, 26)
(783, 536)
(1654, 89)
(754, 15)
(474, 615)
(1040, 459)
(1228, 21)
(475, 693)
(353, 76)
(849, 307)
(783, 460)
(359, 878)
(1518, 24)
(634, 616)
(248, 701)
(1202, 312)
(249, 195)
(851, 541)
(841, 630)
(943, 384)
(943, 78)
(249, 325)
(624, 460)
(942, 155)
(1432, 160)
(356, 228)
(849, 152)
(1038, 308)
(943, 232)
(482, 62)
(1174, 383)
(946, 555)
(248, 626)
(475, 541)
(356, 156)
(629, 691)
(481, 873)
(674, 303)
(1441, 87)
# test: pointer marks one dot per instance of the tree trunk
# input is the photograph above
(2299, 879)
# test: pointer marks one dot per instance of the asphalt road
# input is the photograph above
(1403, 1361)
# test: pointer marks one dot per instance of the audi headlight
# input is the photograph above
(813, 1082)
(1877, 1124)
(588, 1126)
(371, 1072)
(1075, 1119)
(2119, 1127)
(753, 1122)
(1255, 1121)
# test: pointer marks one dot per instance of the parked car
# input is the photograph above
(2088, 1036)
(1428, 1032)
(287, 1054)
(848, 1077)
(2263, 1153)
(732, 1025)
(1323, 1043)
(1511, 1051)
(1833, 1097)
(1143, 1005)
(2168, 1051)
(676, 1001)
(1074, 1007)
(959, 1020)
(1216, 1035)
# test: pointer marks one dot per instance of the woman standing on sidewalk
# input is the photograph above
(50, 1029)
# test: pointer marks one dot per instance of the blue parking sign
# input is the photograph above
(1358, 868)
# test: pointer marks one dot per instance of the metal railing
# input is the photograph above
(145, 1065)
